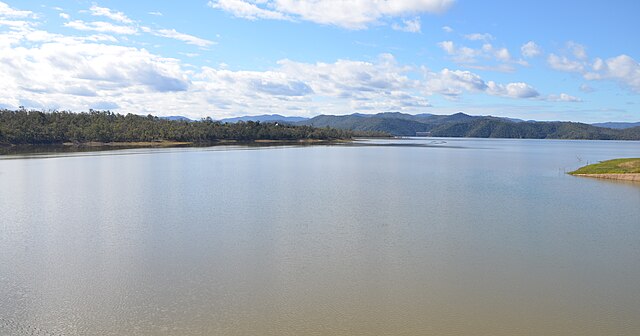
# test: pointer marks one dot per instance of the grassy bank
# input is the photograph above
(617, 169)
(616, 166)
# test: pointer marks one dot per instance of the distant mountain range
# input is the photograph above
(455, 125)
(394, 123)
(464, 125)
(617, 125)
(265, 118)
(178, 118)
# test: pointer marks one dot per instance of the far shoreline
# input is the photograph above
(12, 149)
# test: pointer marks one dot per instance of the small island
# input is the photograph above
(617, 169)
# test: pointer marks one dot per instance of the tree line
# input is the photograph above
(56, 127)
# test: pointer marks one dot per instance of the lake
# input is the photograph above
(415, 236)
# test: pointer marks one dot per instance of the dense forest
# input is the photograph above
(463, 125)
(37, 127)
(495, 128)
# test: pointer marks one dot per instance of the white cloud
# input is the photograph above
(586, 88)
(573, 58)
(173, 34)
(622, 69)
(339, 88)
(64, 16)
(15, 24)
(100, 26)
(54, 71)
(530, 49)
(479, 37)
(454, 83)
(503, 55)
(512, 90)
(578, 50)
(246, 10)
(109, 13)
(350, 14)
(499, 58)
(563, 63)
(47, 70)
(57, 66)
(8, 12)
(563, 97)
(460, 54)
(410, 26)
(155, 13)
(447, 29)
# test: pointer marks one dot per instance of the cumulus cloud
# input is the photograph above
(573, 58)
(586, 88)
(622, 69)
(563, 63)
(563, 97)
(109, 13)
(350, 14)
(343, 86)
(410, 26)
(101, 26)
(530, 49)
(128, 27)
(503, 55)
(447, 29)
(460, 54)
(577, 50)
(479, 37)
(8, 12)
(246, 10)
(57, 66)
(453, 83)
(173, 34)
(513, 90)
(46, 70)
(499, 58)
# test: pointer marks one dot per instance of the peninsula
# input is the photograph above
(617, 169)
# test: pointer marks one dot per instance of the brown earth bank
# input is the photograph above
(624, 177)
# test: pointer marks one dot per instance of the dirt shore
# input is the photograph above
(624, 177)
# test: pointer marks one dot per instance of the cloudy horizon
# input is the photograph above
(229, 58)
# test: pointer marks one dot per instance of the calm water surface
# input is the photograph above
(387, 237)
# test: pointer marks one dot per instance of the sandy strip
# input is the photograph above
(625, 177)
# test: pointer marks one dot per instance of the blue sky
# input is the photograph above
(542, 60)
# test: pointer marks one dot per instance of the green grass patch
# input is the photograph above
(616, 166)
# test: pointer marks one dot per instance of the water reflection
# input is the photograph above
(487, 237)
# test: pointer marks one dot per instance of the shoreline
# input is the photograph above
(626, 169)
(7, 149)
(124, 144)
(634, 177)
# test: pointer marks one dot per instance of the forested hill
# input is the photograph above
(493, 128)
(36, 127)
(463, 125)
